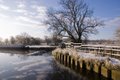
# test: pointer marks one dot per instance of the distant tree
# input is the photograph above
(73, 20)
(85, 41)
(1, 41)
(12, 40)
(23, 39)
(35, 41)
(56, 39)
(53, 40)
(6, 41)
(118, 34)
(48, 40)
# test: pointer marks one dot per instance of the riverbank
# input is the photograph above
(103, 66)
(28, 47)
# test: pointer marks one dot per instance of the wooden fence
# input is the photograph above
(113, 51)
(87, 68)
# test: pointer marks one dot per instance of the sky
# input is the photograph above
(18, 16)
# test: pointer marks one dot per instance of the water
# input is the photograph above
(19, 65)
(24, 65)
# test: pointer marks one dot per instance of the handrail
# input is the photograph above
(113, 51)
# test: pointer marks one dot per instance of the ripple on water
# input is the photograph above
(26, 67)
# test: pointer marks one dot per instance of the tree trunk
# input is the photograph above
(80, 38)
(77, 40)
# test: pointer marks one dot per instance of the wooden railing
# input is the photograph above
(73, 44)
(98, 71)
(113, 51)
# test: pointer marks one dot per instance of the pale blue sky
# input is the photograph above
(17, 16)
(109, 11)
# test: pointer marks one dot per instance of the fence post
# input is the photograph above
(99, 70)
(65, 59)
(69, 61)
(83, 65)
(73, 64)
(78, 66)
(109, 72)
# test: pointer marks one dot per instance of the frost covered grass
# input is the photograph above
(70, 51)
(107, 62)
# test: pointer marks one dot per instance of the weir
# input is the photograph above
(40, 47)
(31, 47)
(84, 66)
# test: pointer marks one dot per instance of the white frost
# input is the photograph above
(108, 62)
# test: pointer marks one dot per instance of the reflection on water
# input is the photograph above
(18, 65)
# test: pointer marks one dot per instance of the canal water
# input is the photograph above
(22, 65)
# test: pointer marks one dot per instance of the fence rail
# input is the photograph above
(113, 51)
(98, 71)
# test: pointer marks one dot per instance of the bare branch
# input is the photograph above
(73, 20)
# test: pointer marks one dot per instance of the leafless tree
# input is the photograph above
(23, 38)
(47, 40)
(118, 35)
(56, 39)
(6, 41)
(1, 41)
(35, 41)
(53, 40)
(73, 20)
(12, 40)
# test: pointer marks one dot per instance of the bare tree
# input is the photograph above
(74, 20)
(56, 39)
(1, 41)
(6, 41)
(12, 40)
(23, 38)
(47, 40)
(35, 41)
(118, 35)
